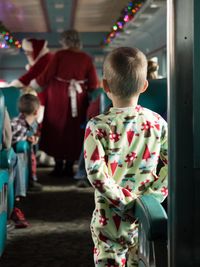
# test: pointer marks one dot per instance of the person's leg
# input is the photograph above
(69, 168)
(115, 256)
(20, 192)
(33, 182)
(108, 253)
(81, 174)
(17, 215)
(20, 180)
(33, 167)
(58, 168)
(104, 257)
(112, 247)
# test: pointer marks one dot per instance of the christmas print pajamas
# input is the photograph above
(121, 150)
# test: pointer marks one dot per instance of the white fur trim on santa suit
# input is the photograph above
(16, 83)
(34, 84)
(40, 114)
(27, 67)
(27, 45)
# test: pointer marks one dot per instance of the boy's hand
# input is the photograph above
(129, 217)
(33, 139)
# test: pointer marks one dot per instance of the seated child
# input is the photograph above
(33, 137)
(121, 151)
(23, 129)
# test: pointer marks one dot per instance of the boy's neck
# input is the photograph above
(29, 118)
(123, 103)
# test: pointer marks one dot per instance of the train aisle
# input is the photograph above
(59, 234)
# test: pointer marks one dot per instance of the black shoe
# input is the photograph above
(58, 168)
(83, 183)
(68, 170)
(68, 173)
(35, 186)
(56, 173)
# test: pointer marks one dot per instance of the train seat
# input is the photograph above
(11, 95)
(22, 148)
(13, 162)
(8, 162)
(100, 102)
(152, 232)
(3, 208)
(155, 97)
(3, 184)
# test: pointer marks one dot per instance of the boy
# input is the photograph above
(122, 148)
(23, 129)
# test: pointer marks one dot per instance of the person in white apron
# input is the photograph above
(67, 81)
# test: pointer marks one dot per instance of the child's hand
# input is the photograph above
(33, 139)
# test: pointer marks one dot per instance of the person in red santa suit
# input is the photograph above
(38, 57)
(67, 80)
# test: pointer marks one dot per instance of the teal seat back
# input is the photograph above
(3, 184)
(11, 95)
(8, 159)
(155, 97)
(11, 194)
(7, 155)
(3, 208)
(96, 93)
(105, 102)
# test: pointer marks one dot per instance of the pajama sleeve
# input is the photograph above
(159, 188)
(97, 171)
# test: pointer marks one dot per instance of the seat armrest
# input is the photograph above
(22, 146)
(152, 216)
(7, 157)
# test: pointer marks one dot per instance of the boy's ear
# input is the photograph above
(105, 86)
(35, 112)
(146, 84)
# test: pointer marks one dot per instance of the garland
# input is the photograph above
(6, 39)
(128, 13)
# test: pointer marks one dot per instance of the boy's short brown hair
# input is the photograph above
(28, 104)
(125, 70)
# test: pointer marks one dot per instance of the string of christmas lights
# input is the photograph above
(6, 39)
(128, 13)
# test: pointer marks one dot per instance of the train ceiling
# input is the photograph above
(87, 16)
(59, 15)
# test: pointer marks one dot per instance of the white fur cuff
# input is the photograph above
(26, 45)
(16, 83)
(34, 84)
